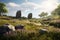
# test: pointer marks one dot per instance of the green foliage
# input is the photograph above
(55, 24)
(43, 14)
(3, 8)
(29, 15)
(23, 17)
(56, 12)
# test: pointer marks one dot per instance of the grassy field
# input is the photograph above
(31, 30)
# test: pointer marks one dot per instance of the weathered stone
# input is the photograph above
(11, 27)
(30, 16)
(19, 27)
(43, 31)
(18, 14)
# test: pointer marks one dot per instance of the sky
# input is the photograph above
(30, 6)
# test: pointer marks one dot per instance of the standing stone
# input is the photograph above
(30, 16)
(18, 14)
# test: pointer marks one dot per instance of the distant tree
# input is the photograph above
(43, 14)
(29, 15)
(23, 17)
(56, 12)
(18, 14)
(3, 8)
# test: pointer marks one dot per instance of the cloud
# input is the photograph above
(29, 5)
(13, 4)
(26, 0)
(45, 5)
(49, 5)
(24, 6)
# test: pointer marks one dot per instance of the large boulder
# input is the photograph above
(11, 27)
(7, 29)
(43, 31)
(4, 30)
(19, 27)
(18, 14)
(30, 16)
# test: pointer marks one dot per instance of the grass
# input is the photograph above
(29, 24)
(31, 30)
(33, 36)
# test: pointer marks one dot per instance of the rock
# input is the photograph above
(43, 31)
(11, 27)
(18, 14)
(19, 27)
(7, 29)
(4, 30)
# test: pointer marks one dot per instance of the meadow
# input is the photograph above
(31, 30)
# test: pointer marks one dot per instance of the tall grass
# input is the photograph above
(32, 36)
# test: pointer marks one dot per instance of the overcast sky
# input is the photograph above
(30, 6)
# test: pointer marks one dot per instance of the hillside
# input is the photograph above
(33, 30)
(29, 24)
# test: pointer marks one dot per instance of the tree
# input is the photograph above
(3, 8)
(56, 12)
(43, 14)
(29, 15)
(18, 14)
